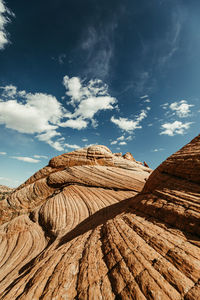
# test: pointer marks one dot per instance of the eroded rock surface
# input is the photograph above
(82, 233)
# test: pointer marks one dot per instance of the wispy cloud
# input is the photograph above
(3, 153)
(98, 44)
(175, 128)
(5, 15)
(40, 156)
(157, 149)
(72, 146)
(144, 97)
(26, 159)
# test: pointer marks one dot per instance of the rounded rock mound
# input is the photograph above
(84, 232)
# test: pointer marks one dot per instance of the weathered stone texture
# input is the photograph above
(83, 233)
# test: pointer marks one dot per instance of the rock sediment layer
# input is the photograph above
(77, 229)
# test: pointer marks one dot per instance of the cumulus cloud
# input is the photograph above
(129, 125)
(40, 112)
(5, 14)
(29, 113)
(43, 115)
(121, 140)
(9, 91)
(87, 100)
(175, 128)
(90, 106)
(179, 108)
(78, 123)
(26, 159)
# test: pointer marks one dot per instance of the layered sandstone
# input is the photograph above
(5, 191)
(79, 232)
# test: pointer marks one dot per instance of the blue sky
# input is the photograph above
(124, 74)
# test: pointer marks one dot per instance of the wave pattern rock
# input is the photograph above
(83, 233)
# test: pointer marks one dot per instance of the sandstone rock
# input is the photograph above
(5, 191)
(145, 164)
(129, 156)
(82, 233)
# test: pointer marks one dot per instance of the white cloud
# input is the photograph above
(157, 150)
(4, 19)
(145, 96)
(147, 101)
(38, 113)
(78, 124)
(129, 138)
(26, 159)
(90, 106)
(85, 140)
(113, 142)
(40, 156)
(181, 108)
(87, 100)
(98, 45)
(129, 125)
(3, 153)
(174, 128)
(74, 88)
(122, 143)
(47, 137)
(121, 138)
(72, 146)
(9, 91)
(43, 115)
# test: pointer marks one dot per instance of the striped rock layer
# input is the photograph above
(78, 229)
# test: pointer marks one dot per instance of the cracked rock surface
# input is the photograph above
(87, 226)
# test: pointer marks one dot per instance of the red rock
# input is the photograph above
(145, 164)
(129, 156)
(82, 233)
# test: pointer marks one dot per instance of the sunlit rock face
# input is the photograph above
(86, 227)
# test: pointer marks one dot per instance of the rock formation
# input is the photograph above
(5, 191)
(77, 230)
